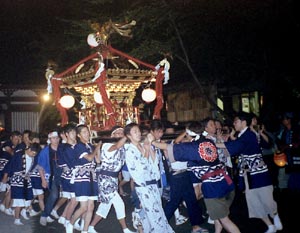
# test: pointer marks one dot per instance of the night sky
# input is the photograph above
(24, 23)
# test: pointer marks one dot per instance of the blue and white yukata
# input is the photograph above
(254, 176)
(66, 161)
(141, 170)
(83, 174)
(5, 157)
(20, 182)
(35, 177)
(203, 161)
(108, 181)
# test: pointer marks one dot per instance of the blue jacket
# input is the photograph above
(250, 158)
(44, 162)
(204, 162)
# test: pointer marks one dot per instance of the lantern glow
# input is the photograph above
(148, 95)
(46, 97)
(280, 159)
(67, 101)
(92, 41)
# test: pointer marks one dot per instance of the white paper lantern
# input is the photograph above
(98, 98)
(92, 40)
(148, 95)
(67, 101)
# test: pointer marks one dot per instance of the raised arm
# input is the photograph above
(91, 156)
(160, 145)
(118, 145)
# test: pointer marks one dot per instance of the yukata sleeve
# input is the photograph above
(43, 158)
(234, 147)
(81, 151)
(9, 168)
(187, 151)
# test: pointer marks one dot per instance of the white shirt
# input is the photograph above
(179, 165)
(29, 161)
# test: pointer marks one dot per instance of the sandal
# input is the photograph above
(201, 230)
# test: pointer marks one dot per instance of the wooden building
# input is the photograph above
(20, 107)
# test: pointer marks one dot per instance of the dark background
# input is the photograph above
(234, 44)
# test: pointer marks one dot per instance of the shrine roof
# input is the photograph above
(81, 76)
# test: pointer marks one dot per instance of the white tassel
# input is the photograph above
(166, 66)
(49, 87)
(99, 71)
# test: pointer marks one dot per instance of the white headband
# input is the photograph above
(116, 130)
(192, 134)
(53, 134)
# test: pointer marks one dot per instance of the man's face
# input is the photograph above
(15, 140)
(135, 134)
(84, 135)
(31, 153)
(237, 124)
(157, 133)
(119, 133)
(54, 140)
(210, 127)
(71, 136)
(26, 139)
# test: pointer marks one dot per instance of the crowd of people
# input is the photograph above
(76, 182)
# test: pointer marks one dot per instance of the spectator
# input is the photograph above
(288, 141)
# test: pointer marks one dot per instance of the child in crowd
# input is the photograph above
(21, 189)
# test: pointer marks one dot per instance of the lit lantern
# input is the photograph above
(67, 101)
(280, 159)
(148, 95)
(98, 98)
(92, 40)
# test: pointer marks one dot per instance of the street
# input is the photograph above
(287, 205)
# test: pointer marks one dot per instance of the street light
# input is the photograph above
(46, 97)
